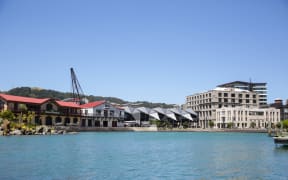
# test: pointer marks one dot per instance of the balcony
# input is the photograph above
(53, 112)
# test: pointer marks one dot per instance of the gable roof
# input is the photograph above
(92, 104)
(39, 101)
(68, 104)
(23, 99)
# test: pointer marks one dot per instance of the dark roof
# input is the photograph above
(241, 82)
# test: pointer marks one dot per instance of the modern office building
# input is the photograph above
(259, 88)
(243, 117)
(206, 103)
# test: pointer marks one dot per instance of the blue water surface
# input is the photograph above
(132, 155)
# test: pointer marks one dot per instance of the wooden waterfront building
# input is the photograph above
(47, 111)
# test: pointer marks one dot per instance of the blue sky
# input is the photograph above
(159, 51)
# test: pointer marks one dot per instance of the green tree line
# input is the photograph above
(44, 93)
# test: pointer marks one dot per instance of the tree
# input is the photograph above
(186, 125)
(278, 125)
(230, 125)
(30, 116)
(211, 124)
(23, 108)
(285, 124)
(6, 117)
(252, 125)
(7, 114)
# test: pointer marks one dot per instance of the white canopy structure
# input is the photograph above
(166, 112)
(155, 113)
(182, 113)
(132, 111)
(190, 111)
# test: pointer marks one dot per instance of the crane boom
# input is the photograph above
(77, 91)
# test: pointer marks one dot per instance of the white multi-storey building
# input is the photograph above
(205, 104)
(101, 114)
(243, 117)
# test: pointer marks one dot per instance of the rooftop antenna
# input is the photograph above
(77, 91)
(250, 85)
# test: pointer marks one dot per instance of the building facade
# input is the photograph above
(243, 117)
(259, 88)
(278, 104)
(47, 111)
(101, 114)
(205, 104)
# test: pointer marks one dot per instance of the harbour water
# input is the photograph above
(132, 155)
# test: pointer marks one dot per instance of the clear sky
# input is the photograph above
(154, 50)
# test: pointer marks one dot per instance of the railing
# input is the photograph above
(101, 115)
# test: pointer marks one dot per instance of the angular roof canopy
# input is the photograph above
(149, 112)
(170, 113)
(189, 110)
(166, 112)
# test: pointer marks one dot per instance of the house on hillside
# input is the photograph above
(101, 114)
(47, 111)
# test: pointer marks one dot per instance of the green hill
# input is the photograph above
(44, 93)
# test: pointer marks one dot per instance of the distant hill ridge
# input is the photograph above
(37, 92)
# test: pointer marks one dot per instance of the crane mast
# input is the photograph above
(77, 92)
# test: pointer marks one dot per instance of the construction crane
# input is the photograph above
(77, 92)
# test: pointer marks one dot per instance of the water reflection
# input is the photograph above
(281, 148)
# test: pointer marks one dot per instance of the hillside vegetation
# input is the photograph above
(44, 93)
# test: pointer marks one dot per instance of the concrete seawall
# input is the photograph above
(155, 129)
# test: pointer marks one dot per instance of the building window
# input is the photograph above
(49, 107)
(66, 121)
(247, 96)
(219, 100)
(105, 123)
(240, 100)
(111, 114)
(254, 101)
(254, 96)
(75, 121)
(240, 95)
(219, 94)
(98, 112)
(247, 101)
(97, 123)
(232, 95)
(58, 120)
(225, 100)
(225, 94)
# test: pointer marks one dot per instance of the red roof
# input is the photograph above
(92, 104)
(23, 99)
(67, 104)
